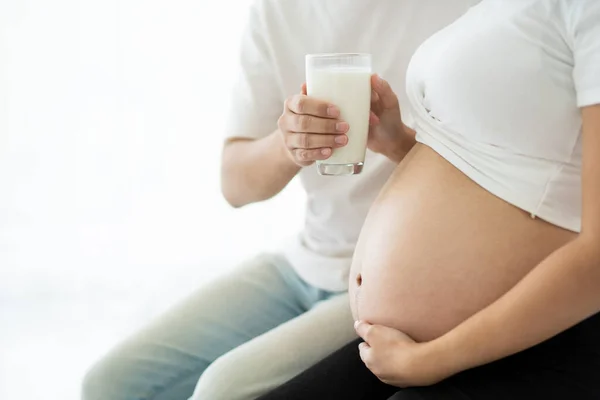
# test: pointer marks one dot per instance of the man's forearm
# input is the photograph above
(399, 150)
(255, 170)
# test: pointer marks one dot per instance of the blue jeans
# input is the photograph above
(237, 338)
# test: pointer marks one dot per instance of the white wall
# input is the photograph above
(111, 118)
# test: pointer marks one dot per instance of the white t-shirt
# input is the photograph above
(497, 93)
(278, 36)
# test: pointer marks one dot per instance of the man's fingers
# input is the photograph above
(314, 141)
(310, 155)
(384, 92)
(291, 122)
(306, 105)
(373, 119)
(374, 96)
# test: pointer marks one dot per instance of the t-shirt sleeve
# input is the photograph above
(583, 24)
(255, 102)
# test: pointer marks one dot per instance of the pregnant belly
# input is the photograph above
(436, 248)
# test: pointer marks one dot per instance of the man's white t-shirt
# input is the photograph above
(278, 35)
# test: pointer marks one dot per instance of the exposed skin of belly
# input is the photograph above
(436, 248)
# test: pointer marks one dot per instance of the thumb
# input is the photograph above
(303, 89)
(384, 91)
(365, 330)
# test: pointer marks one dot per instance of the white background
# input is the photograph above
(111, 124)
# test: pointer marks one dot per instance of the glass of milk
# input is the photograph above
(343, 79)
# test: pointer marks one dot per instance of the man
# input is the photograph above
(278, 314)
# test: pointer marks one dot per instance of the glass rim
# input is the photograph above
(336, 55)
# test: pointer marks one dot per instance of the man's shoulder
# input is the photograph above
(290, 25)
(285, 11)
(280, 5)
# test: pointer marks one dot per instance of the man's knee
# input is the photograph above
(112, 379)
(98, 385)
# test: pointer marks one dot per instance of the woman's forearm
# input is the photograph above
(560, 292)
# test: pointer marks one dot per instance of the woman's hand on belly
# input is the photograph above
(396, 359)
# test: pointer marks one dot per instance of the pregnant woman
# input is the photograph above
(477, 272)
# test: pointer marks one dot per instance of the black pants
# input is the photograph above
(566, 367)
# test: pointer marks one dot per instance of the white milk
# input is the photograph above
(349, 88)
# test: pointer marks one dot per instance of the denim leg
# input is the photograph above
(165, 360)
(271, 359)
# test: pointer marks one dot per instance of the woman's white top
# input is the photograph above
(498, 94)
